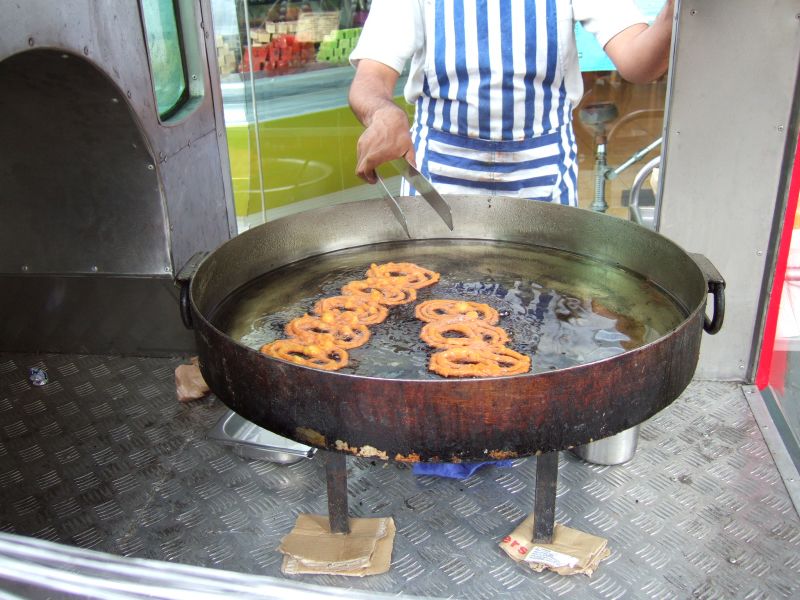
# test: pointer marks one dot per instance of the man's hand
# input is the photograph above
(387, 134)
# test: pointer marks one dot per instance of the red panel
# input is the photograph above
(770, 367)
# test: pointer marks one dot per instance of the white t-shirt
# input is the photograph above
(395, 33)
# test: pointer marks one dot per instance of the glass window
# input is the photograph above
(166, 54)
(618, 129)
(285, 75)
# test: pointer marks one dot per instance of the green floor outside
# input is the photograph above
(302, 157)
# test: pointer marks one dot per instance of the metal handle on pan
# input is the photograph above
(716, 287)
(185, 308)
(184, 279)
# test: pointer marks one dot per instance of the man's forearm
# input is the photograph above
(641, 52)
(371, 91)
(386, 135)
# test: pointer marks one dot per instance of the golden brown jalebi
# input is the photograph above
(404, 274)
(366, 311)
(462, 332)
(479, 362)
(380, 290)
(310, 328)
(339, 323)
(322, 355)
(436, 310)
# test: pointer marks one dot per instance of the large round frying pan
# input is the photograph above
(574, 265)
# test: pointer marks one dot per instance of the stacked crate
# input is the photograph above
(276, 49)
(337, 45)
(226, 47)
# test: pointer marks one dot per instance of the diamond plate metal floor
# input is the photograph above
(104, 457)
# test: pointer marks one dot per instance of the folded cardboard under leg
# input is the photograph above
(571, 551)
(311, 548)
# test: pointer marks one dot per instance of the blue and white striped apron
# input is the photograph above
(494, 117)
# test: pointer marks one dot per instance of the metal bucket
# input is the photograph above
(614, 450)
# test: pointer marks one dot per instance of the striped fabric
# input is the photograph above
(494, 117)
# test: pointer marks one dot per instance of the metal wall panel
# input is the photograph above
(110, 35)
(111, 209)
(730, 129)
(201, 222)
(80, 192)
(92, 315)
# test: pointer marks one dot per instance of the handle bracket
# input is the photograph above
(716, 287)
(184, 279)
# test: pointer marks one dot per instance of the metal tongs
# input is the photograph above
(426, 190)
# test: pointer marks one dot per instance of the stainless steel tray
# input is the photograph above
(251, 441)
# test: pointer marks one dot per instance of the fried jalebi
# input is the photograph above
(380, 290)
(404, 274)
(462, 332)
(366, 311)
(479, 362)
(310, 328)
(436, 310)
(323, 355)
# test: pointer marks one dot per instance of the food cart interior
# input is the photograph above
(140, 192)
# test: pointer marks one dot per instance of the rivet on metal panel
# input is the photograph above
(167, 270)
(115, 100)
(86, 50)
(150, 167)
(693, 12)
(194, 77)
(24, 268)
(128, 93)
(780, 128)
(31, 42)
(94, 269)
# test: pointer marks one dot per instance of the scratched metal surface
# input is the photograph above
(104, 457)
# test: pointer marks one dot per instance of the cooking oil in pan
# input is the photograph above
(559, 308)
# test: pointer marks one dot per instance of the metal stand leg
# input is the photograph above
(544, 503)
(336, 472)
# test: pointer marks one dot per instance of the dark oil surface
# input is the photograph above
(559, 308)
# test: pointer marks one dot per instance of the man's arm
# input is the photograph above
(641, 52)
(387, 134)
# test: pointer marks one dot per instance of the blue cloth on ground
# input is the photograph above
(454, 470)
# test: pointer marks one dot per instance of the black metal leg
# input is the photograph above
(544, 503)
(336, 472)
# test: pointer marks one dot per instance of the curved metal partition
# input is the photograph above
(84, 199)
(103, 199)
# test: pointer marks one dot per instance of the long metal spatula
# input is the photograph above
(398, 213)
(426, 189)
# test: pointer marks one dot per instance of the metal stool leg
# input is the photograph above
(544, 503)
(336, 472)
